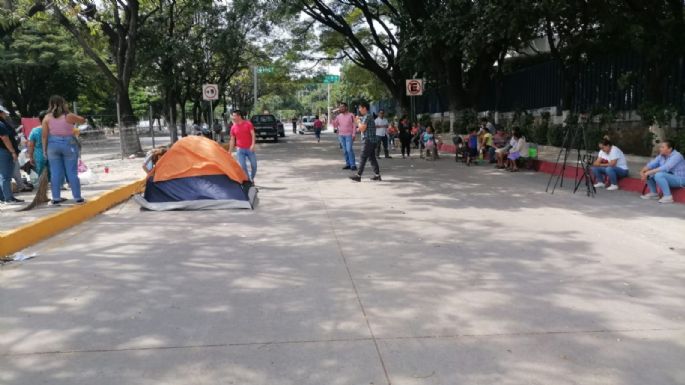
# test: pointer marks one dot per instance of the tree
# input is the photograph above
(119, 23)
(362, 32)
(36, 62)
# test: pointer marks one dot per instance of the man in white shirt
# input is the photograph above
(611, 163)
(382, 134)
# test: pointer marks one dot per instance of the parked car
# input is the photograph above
(265, 126)
(307, 125)
(281, 129)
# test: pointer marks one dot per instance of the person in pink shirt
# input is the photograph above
(345, 123)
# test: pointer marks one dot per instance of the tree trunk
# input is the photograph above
(131, 141)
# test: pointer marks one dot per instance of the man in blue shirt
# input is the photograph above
(666, 170)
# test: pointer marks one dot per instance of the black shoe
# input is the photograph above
(346, 168)
(356, 178)
(353, 168)
(388, 157)
(15, 201)
(376, 178)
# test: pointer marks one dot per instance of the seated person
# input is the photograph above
(151, 159)
(502, 153)
(498, 141)
(666, 170)
(610, 162)
(519, 150)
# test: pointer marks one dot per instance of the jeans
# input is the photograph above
(382, 140)
(491, 154)
(6, 171)
(346, 143)
(317, 133)
(369, 153)
(63, 157)
(245, 154)
(612, 172)
(665, 181)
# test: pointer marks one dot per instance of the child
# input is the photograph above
(429, 143)
(472, 147)
(392, 134)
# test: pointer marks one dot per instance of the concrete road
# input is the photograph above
(440, 274)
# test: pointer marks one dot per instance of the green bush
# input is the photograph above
(555, 135)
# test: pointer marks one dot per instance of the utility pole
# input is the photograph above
(328, 104)
(254, 81)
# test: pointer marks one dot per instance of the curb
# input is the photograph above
(43, 228)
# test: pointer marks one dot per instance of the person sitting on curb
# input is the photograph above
(501, 153)
(519, 150)
(666, 170)
(611, 163)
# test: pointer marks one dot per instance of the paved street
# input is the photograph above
(441, 274)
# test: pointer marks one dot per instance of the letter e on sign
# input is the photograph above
(414, 87)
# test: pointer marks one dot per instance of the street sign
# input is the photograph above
(265, 70)
(210, 92)
(414, 87)
(331, 79)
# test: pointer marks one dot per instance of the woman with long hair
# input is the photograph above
(61, 147)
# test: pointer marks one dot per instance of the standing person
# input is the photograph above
(487, 125)
(368, 128)
(429, 143)
(344, 122)
(294, 121)
(243, 137)
(318, 125)
(486, 144)
(8, 157)
(666, 170)
(472, 144)
(405, 136)
(35, 150)
(610, 162)
(381, 124)
(392, 134)
(61, 146)
(415, 134)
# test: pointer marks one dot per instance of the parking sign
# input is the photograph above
(414, 87)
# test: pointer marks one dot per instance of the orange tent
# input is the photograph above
(197, 156)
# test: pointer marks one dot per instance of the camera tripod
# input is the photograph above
(574, 139)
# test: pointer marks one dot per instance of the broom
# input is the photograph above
(41, 192)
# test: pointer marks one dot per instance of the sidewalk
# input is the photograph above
(97, 156)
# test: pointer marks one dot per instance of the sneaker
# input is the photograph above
(356, 178)
(346, 168)
(354, 168)
(80, 201)
(14, 201)
(388, 157)
(599, 185)
(666, 199)
(376, 178)
(613, 187)
(54, 203)
(650, 196)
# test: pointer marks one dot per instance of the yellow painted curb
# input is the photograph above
(43, 228)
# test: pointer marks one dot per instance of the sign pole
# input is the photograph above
(152, 129)
(211, 119)
(255, 87)
(328, 105)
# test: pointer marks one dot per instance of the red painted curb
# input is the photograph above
(626, 184)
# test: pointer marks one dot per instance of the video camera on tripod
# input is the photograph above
(575, 138)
